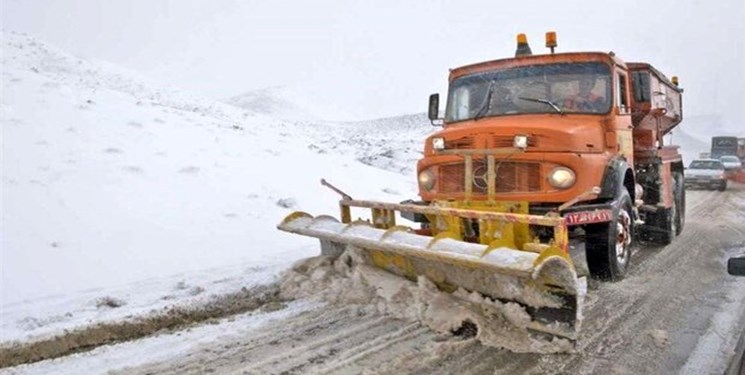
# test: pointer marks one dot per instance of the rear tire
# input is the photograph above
(667, 225)
(680, 197)
(608, 245)
(668, 222)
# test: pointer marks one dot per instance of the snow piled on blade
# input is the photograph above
(349, 281)
(120, 197)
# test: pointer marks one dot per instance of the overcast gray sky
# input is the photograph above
(384, 57)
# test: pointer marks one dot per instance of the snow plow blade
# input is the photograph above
(542, 283)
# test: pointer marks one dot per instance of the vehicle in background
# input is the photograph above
(741, 149)
(721, 146)
(731, 162)
(706, 173)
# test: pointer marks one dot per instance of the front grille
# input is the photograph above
(451, 178)
(464, 143)
(511, 177)
(501, 141)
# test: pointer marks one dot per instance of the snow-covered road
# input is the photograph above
(678, 311)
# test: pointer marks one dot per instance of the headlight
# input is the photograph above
(561, 177)
(427, 179)
(520, 141)
(438, 143)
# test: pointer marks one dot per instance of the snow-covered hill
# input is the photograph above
(279, 102)
(690, 145)
(293, 103)
(112, 187)
(393, 143)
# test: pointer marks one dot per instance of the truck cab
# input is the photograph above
(572, 134)
(529, 108)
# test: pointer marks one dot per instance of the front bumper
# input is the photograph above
(579, 214)
(704, 182)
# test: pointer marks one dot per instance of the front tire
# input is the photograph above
(608, 245)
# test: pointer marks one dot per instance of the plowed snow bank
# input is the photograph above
(347, 280)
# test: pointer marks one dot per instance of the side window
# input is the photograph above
(641, 86)
(622, 94)
(462, 102)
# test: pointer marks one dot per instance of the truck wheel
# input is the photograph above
(608, 245)
(723, 186)
(680, 197)
(667, 225)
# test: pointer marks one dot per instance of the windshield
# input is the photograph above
(724, 141)
(706, 164)
(554, 88)
(729, 158)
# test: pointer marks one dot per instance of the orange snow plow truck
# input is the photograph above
(536, 152)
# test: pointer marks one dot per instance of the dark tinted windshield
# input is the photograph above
(724, 141)
(572, 88)
(706, 164)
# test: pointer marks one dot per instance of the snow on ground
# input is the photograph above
(113, 188)
(691, 146)
(716, 346)
(107, 359)
(291, 103)
(393, 144)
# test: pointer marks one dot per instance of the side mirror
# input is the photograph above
(736, 266)
(434, 107)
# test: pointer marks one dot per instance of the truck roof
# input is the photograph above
(605, 57)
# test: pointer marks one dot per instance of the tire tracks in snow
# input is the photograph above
(673, 289)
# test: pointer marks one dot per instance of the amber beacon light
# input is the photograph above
(551, 40)
(523, 49)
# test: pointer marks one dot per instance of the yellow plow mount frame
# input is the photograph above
(539, 277)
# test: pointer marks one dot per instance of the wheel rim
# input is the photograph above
(623, 237)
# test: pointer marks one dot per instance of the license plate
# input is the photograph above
(588, 217)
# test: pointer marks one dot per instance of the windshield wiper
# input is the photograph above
(544, 101)
(487, 103)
